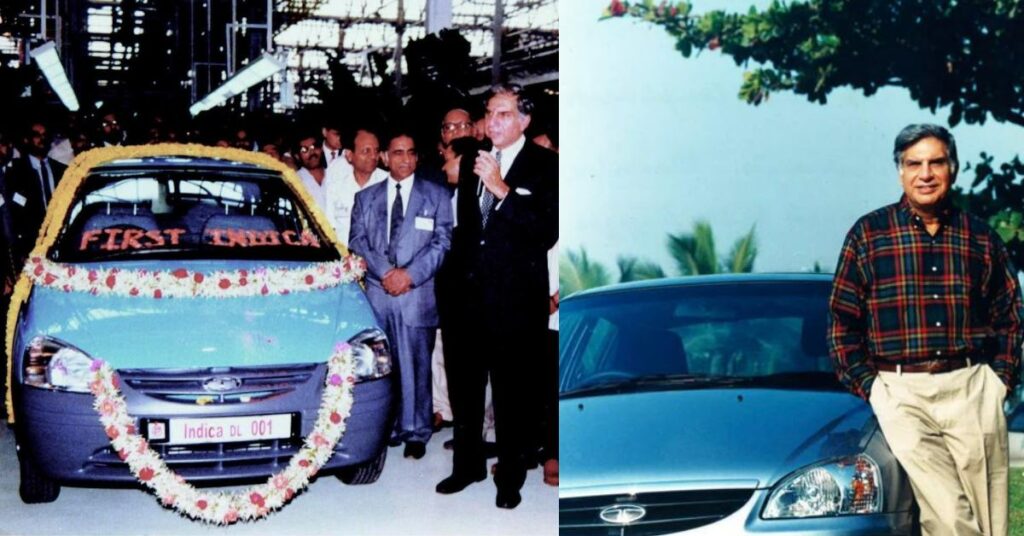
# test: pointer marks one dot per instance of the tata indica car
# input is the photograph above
(709, 405)
(224, 384)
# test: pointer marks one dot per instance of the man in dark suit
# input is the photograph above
(506, 215)
(402, 227)
(29, 185)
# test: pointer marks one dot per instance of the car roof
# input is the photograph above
(150, 163)
(695, 280)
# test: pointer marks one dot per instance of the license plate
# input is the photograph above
(190, 431)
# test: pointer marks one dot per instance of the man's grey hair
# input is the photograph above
(912, 134)
(523, 103)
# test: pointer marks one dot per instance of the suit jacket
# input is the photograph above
(501, 271)
(23, 198)
(423, 239)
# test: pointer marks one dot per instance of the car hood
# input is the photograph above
(143, 332)
(701, 438)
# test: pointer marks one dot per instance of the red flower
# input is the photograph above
(243, 281)
(123, 454)
(146, 474)
(201, 504)
(309, 279)
(617, 8)
(243, 273)
(116, 380)
(256, 499)
(231, 516)
(39, 270)
(288, 494)
(130, 428)
(198, 278)
(71, 271)
(157, 294)
(67, 288)
(264, 291)
(49, 279)
(133, 292)
(111, 281)
(304, 463)
(335, 418)
(224, 284)
(93, 276)
(112, 432)
(180, 273)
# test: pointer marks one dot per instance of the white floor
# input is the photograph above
(402, 502)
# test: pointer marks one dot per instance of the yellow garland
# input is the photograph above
(72, 180)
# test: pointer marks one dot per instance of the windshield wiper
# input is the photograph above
(651, 382)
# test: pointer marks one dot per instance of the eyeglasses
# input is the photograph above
(307, 148)
(453, 127)
(110, 123)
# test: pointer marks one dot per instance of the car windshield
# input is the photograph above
(196, 213)
(698, 335)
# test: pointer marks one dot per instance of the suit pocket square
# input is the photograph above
(523, 191)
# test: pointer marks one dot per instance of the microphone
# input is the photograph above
(469, 146)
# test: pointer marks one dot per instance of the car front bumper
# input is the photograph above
(61, 434)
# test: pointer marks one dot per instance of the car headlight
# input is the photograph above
(371, 354)
(849, 485)
(53, 364)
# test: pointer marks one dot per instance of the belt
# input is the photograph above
(932, 366)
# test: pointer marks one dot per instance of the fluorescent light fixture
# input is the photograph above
(45, 56)
(252, 74)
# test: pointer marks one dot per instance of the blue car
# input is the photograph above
(709, 405)
(225, 383)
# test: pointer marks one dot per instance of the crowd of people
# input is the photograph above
(469, 300)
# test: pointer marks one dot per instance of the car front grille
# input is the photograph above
(665, 512)
(207, 461)
(188, 386)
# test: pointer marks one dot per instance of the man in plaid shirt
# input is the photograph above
(926, 326)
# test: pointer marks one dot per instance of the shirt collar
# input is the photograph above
(946, 211)
(508, 154)
(406, 183)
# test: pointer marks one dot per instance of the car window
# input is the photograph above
(179, 213)
(739, 331)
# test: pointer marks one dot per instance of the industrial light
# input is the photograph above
(45, 56)
(252, 74)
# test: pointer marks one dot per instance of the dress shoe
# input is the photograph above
(449, 444)
(415, 449)
(394, 442)
(456, 483)
(508, 499)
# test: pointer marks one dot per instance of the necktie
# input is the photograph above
(396, 224)
(334, 154)
(46, 183)
(488, 198)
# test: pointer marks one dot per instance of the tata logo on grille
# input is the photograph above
(219, 384)
(623, 514)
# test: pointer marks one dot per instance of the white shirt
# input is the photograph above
(337, 161)
(37, 166)
(340, 195)
(406, 189)
(508, 155)
(315, 190)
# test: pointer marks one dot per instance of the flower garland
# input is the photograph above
(183, 283)
(222, 508)
(71, 182)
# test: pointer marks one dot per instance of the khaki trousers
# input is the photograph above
(949, 433)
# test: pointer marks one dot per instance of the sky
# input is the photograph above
(652, 141)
